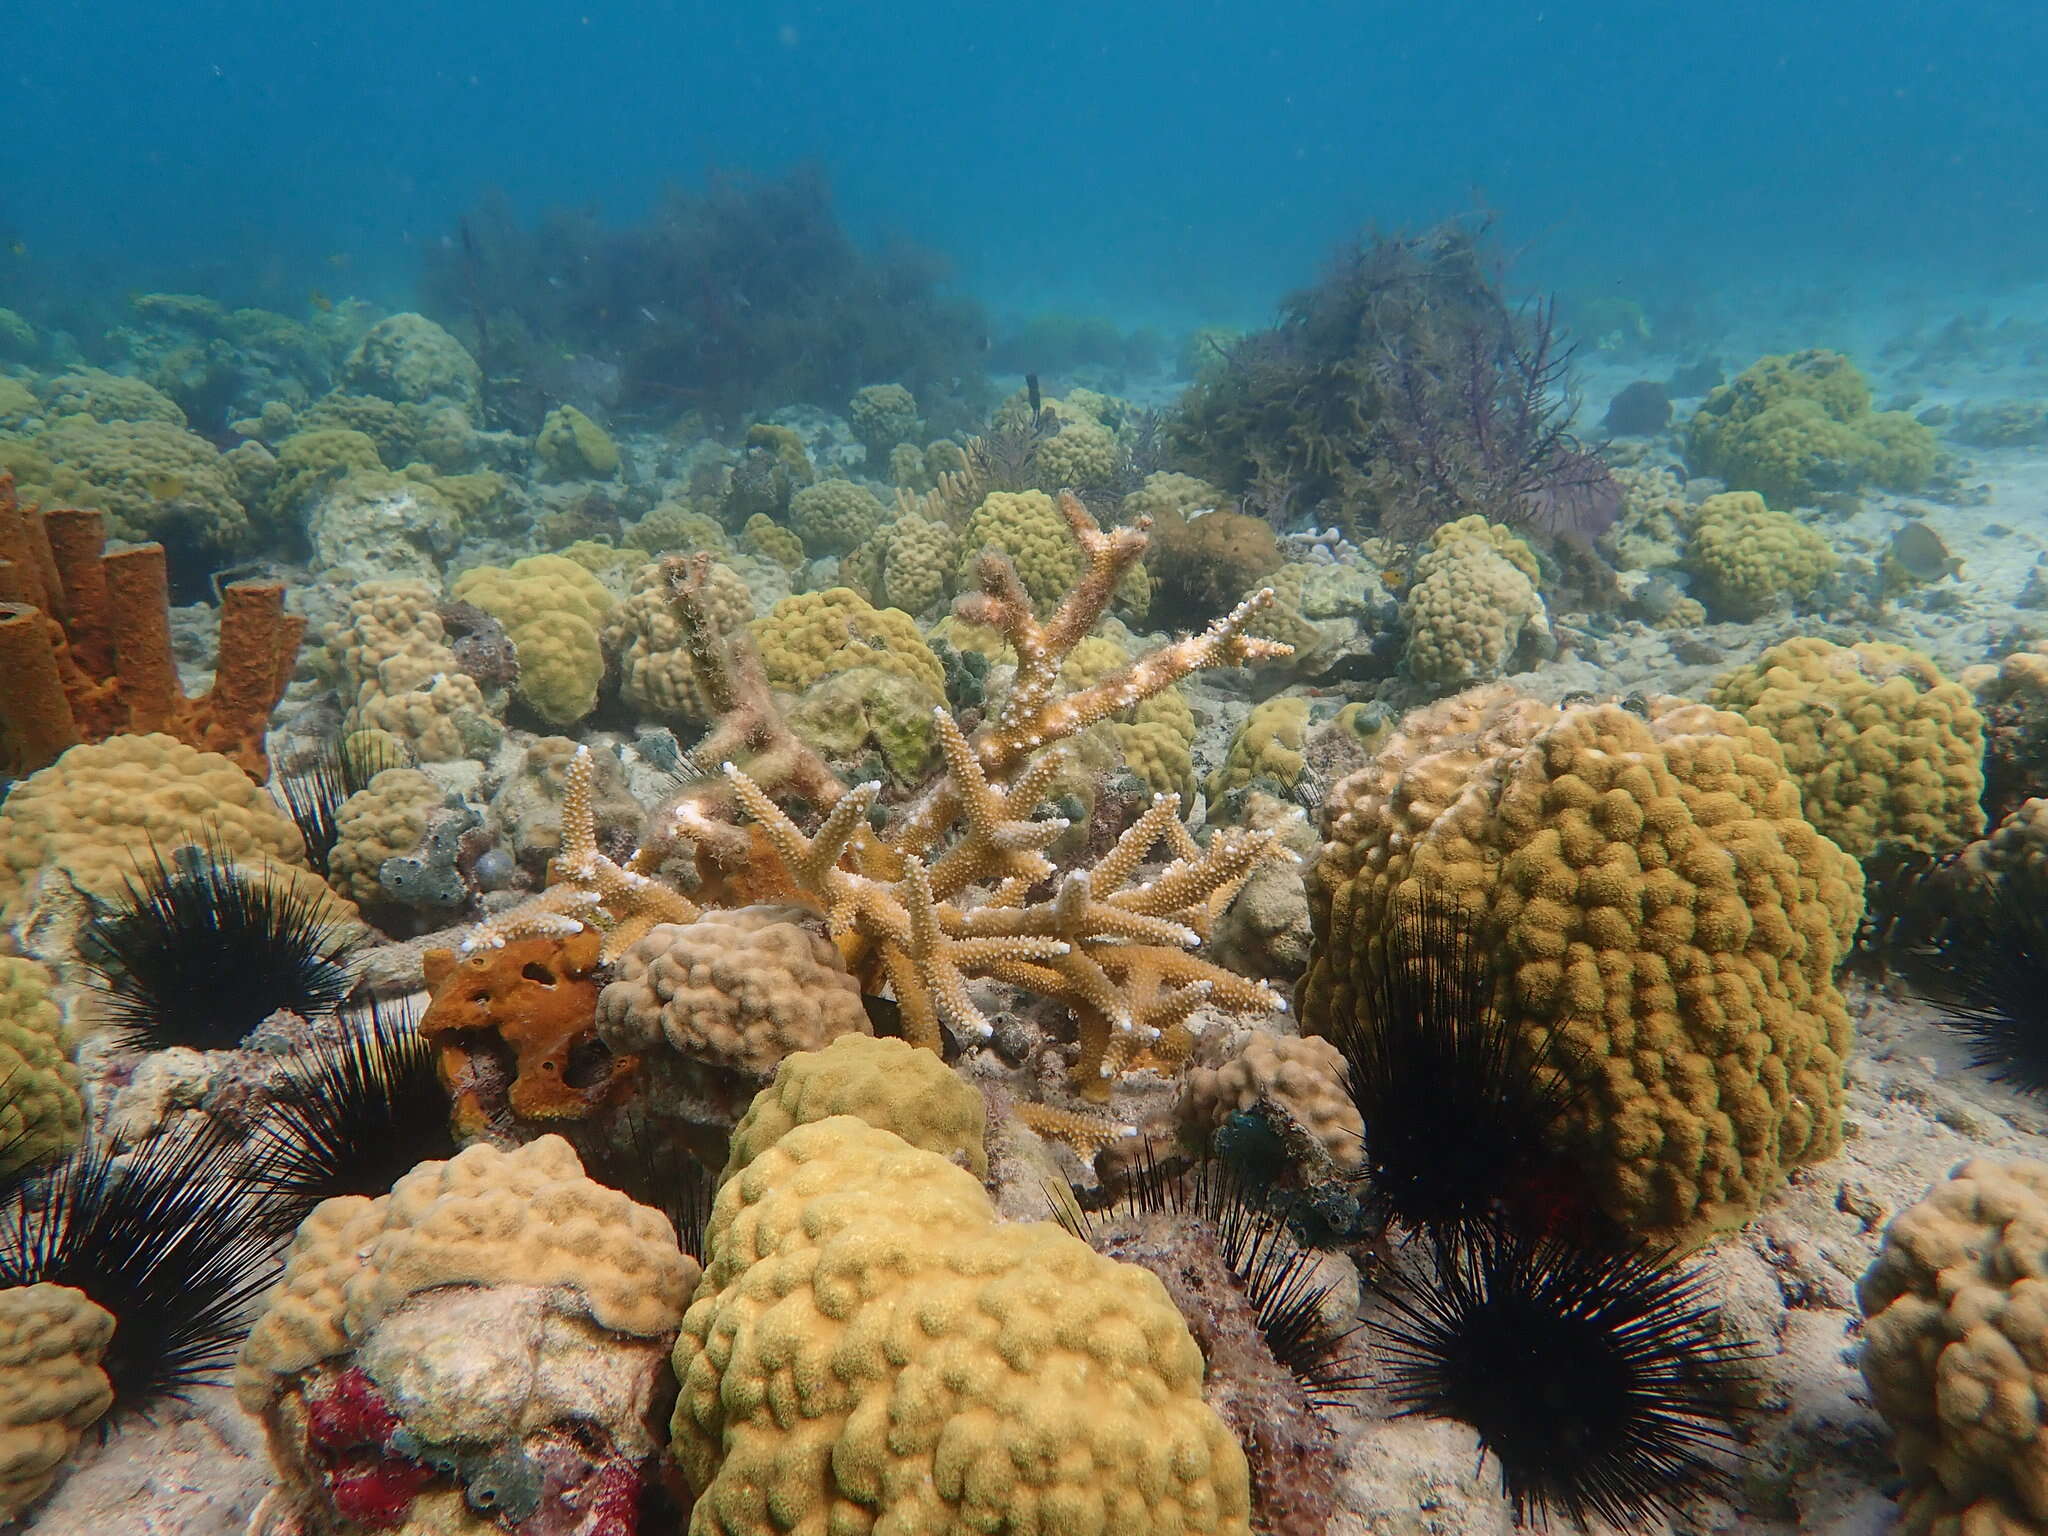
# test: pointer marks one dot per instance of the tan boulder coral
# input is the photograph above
(712, 1006)
(52, 1339)
(528, 808)
(918, 561)
(656, 675)
(835, 516)
(42, 1104)
(812, 634)
(1267, 746)
(1885, 748)
(393, 664)
(767, 538)
(552, 608)
(385, 819)
(1026, 526)
(1661, 909)
(488, 1341)
(1747, 559)
(1303, 1077)
(573, 447)
(1473, 610)
(1040, 1385)
(1956, 1349)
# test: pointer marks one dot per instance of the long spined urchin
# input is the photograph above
(1600, 1380)
(1985, 970)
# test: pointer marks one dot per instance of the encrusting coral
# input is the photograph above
(1956, 1325)
(85, 646)
(1667, 924)
(946, 892)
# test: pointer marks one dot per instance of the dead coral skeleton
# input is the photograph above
(958, 887)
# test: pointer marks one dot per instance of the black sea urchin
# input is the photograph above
(166, 1239)
(1598, 1379)
(354, 1113)
(312, 794)
(1463, 1118)
(1986, 970)
(198, 952)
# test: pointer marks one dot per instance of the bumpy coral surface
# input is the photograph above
(42, 1109)
(1885, 748)
(483, 1343)
(807, 636)
(1659, 904)
(867, 715)
(767, 538)
(391, 656)
(1472, 605)
(1081, 453)
(888, 1083)
(408, 357)
(107, 397)
(100, 808)
(1303, 1077)
(385, 819)
(871, 1349)
(656, 675)
(1268, 745)
(1955, 1343)
(153, 480)
(1747, 558)
(1026, 526)
(552, 608)
(918, 562)
(1165, 494)
(712, 1006)
(834, 516)
(52, 1389)
(573, 447)
(882, 416)
(1793, 426)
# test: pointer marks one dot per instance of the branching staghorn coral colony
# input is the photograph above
(1021, 964)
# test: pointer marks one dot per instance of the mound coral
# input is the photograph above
(85, 643)
(552, 608)
(1043, 1387)
(573, 447)
(391, 656)
(1301, 1077)
(385, 819)
(52, 1339)
(1792, 426)
(882, 416)
(1954, 1335)
(1267, 746)
(835, 516)
(1660, 909)
(1200, 565)
(767, 538)
(918, 561)
(814, 634)
(42, 1107)
(409, 357)
(1748, 558)
(1473, 608)
(151, 479)
(487, 1341)
(656, 675)
(1885, 748)
(866, 716)
(1026, 526)
(107, 397)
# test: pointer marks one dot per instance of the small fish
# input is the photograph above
(165, 487)
(341, 261)
(1917, 554)
(17, 247)
(1392, 577)
(320, 301)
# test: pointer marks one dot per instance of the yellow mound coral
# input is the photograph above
(676, 527)
(1792, 426)
(1039, 1387)
(1165, 494)
(918, 562)
(1473, 604)
(391, 657)
(107, 397)
(835, 516)
(883, 415)
(309, 462)
(656, 674)
(1267, 745)
(1885, 748)
(890, 1084)
(91, 815)
(42, 1110)
(1746, 557)
(385, 819)
(1957, 1328)
(858, 713)
(767, 538)
(573, 447)
(1660, 906)
(1026, 526)
(1156, 738)
(810, 634)
(154, 480)
(552, 608)
(1081, 453)
(52, 1389)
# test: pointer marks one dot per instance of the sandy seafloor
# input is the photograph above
(1816, 1457)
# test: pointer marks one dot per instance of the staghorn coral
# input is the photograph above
(1473, 609)
(552, 608)
(85, 643)
(1885, 748)
(710, 1008)
(1954, 1340)
(1043, 1387)
(1748, 558)
(486, 1343)
(52, 1339)
(527, 809)
(1661, 911)
(42, 1105)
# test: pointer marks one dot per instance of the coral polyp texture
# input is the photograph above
(1658, 904)
(1042, 1387)
(1748, 559)
(1473, 605)
(487, 1341)
(1956, 1325)
(553, 609)
(52, 1389)
(1885, 748)
(42, 1106)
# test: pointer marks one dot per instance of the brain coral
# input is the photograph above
(52, 1389)
(552, 608)
(1955, 1343)
(101, 806)
(888, 1083)
(42, 1110)
(1790, 427)
(1746, 557)
(1658, 902)
(408, 357)
(870, 1349)
(810, 634)
(1885, 749)
(712, 1006)
(834, 516)
(1473, 604)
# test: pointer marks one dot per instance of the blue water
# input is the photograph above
(1159, 162)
